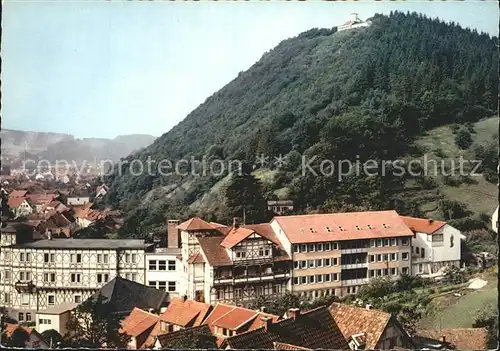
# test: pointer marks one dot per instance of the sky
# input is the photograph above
(102, 69)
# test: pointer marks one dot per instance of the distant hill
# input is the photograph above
(55, 146)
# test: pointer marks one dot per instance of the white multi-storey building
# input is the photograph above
(36, 274)
(435, 245)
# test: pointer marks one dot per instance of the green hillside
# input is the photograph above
(385, 92)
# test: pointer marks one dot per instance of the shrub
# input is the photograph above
(463, 139)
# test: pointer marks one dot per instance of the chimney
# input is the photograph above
(293, 313)
(49, 234)
(184, 298)
(431, 221)
(236, 222)
(173, 234)
(263, 309)
(443, 339)
(266, 321)
(368, 306)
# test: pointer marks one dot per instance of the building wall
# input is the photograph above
(391, 337)
(62, 279)
(494, 221)
(52, 321)
(437, 254)
(168, 277)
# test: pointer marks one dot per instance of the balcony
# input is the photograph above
(351, 251)
(252, 277)
(418, 259)
(354, 265)
(25, 286)
(359, 281)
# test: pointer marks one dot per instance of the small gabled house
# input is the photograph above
(311, 330)
(139, 325)
(369, 329)
(435, 244)
(182, 313)
(226, 320)
(19, 206)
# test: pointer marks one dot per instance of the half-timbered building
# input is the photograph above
(37, 274)
(234, 264)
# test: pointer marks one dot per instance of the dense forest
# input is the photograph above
(361, 94)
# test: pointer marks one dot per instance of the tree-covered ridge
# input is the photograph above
(340, 95)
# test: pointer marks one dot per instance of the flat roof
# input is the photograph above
(58, 309)
(85, 244)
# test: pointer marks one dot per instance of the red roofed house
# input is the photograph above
(314, 329)
(339, 252)
(35, 340)
(19, 206)
(368, 329)
(138, 325)
(435, 245)
(182, 313)
(226, 320)
(232, 264)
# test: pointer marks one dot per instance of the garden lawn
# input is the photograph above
(461, 312)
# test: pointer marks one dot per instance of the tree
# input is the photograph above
(244, 196)
(463, 138)
(196, 338)
(18, 338)
(489, 320)
(409, 316)
(52, 337)
(94, 324)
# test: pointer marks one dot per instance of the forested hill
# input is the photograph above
(363, 93)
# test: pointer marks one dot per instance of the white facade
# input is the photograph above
(78, 201)
(24, 209)
(164, 269)
(494, 221)
(430, 252)
(46, 273)
(54, 318)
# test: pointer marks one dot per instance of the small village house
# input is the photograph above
(435, 245)
(55, 317)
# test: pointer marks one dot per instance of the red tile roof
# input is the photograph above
(458, 338)
(195, 224)
(284, 346)
(18, 193)
(196, 258)
(235, 236)
(139, 324)
(214, 253)
(423, 225)
(218, 311)
(15, 202)
(235, 319)
(313, 329)
(185, 313)
(10, 328)
(354, 320)
(342, 226)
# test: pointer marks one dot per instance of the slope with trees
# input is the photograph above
(362, 95)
